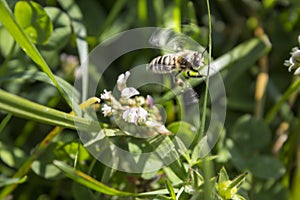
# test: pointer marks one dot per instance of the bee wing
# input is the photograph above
(170, 40)
(190, 96)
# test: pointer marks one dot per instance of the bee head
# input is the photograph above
(197, 60)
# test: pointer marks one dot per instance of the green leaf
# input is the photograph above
(43, 166)
(172, 176)
(185, 131)
(161, 143)
(61, 29)
(266, 167)
(72, 150)
(250, 134)
(238, 181)
(74, 12)
(263, 190)
(6, 42)
(88, 181)
(170, 189)
(223, 176)
(12, 156)
(80, 192)
(239, 160)
(226, 188)
(25, 43)
(9, 181)
(33, 75)
(34, 20)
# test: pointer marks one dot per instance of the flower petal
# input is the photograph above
(121, 82)
(126, 93)
(106, 110)
(142, 115)
(106, 95)
(130, 115)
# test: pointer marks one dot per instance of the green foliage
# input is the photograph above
(226, 188)
(34, 21)
(42, 44)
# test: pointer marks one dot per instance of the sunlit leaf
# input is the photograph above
(34, 20)
(26, 44)
(43, 166)
(11, 155)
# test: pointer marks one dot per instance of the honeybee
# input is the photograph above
(187, 57)
(185, 61)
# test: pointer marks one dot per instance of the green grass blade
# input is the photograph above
(4, 122)
(98, 186)
(10, 23)
(293, 88)
(26, 109)
(88, 181)
(10, 181)
(170, 189)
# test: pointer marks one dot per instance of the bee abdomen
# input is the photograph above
(163, 64)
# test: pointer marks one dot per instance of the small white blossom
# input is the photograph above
(106, 110)
(106, 95)
(121, 82)
(163, 130)
(129, 92)
(160, 128)
(135, 115)
(130, 115)
(142, 115)
(294, 61)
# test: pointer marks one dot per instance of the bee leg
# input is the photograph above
(194, 76)
(178, 81)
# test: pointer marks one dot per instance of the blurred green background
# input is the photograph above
(255, 140)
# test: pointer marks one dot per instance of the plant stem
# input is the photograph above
(41, 147)
(207, 165)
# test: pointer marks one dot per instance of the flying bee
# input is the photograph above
(187, 61)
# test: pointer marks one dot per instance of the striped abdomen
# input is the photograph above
(163, 64)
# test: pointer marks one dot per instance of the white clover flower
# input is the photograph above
(128, 92)
(106, 110)
(106, 95)
(142, 115)
(130, 115)
(121, 82)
